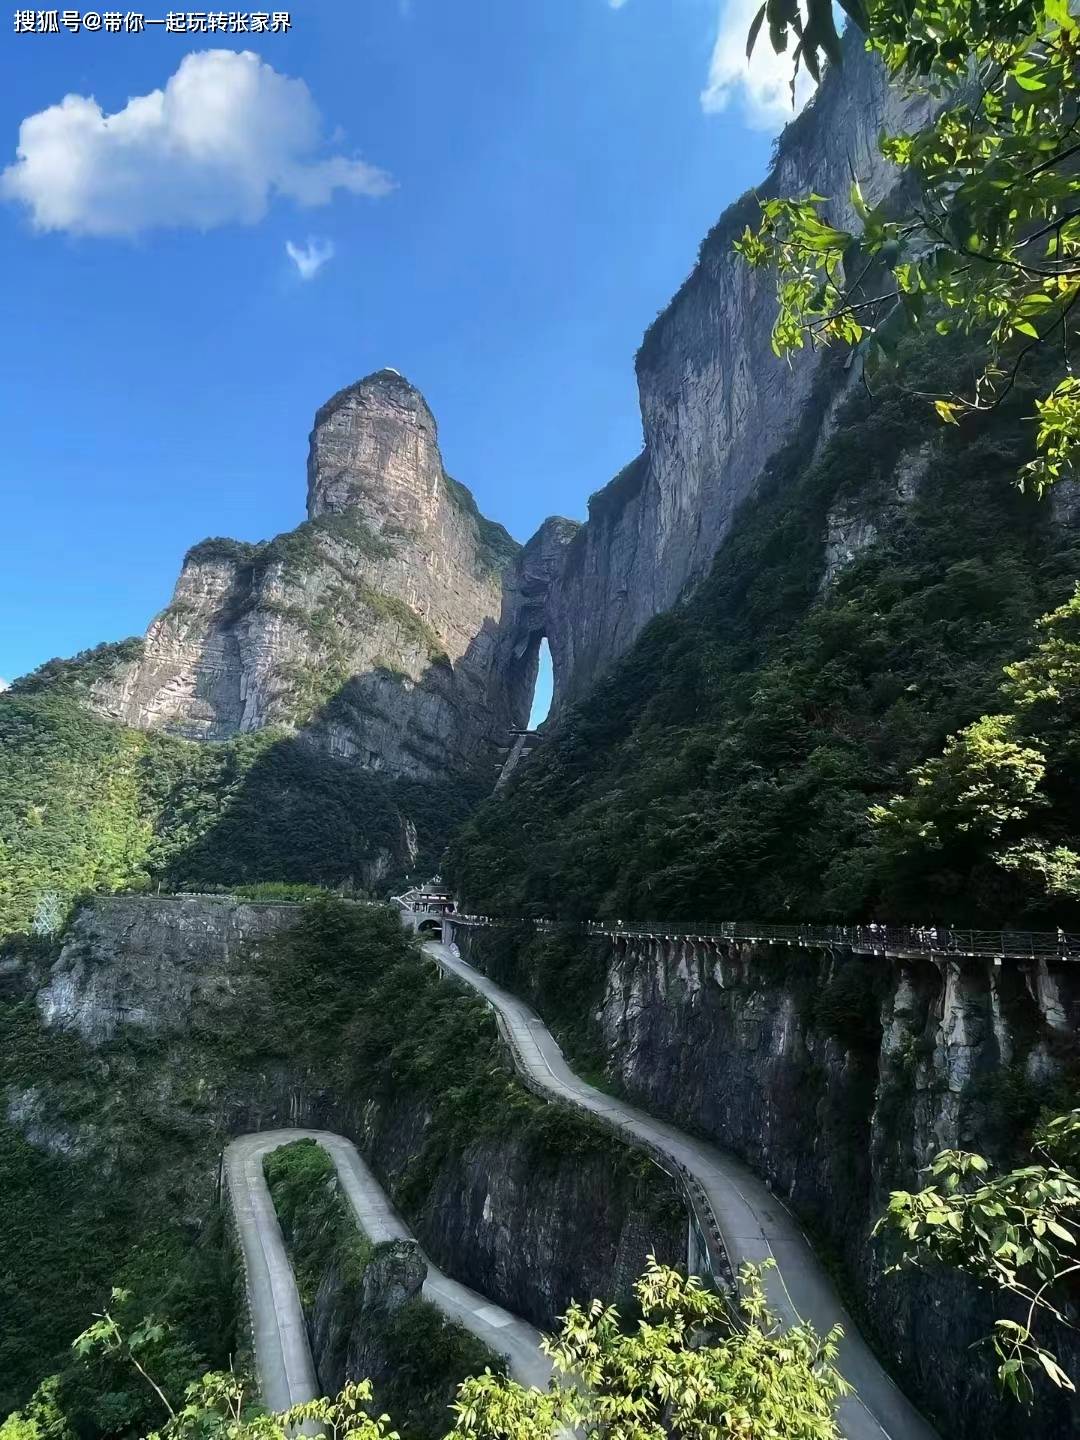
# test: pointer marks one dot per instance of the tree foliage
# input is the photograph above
(692, 1366)
(990, 244)
(1015, 1232)
(88, 806)
(1004, 792)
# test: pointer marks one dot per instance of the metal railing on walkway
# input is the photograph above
(899, 941)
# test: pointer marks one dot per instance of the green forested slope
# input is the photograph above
(89, 805)
(116, 1181)
(728, 765)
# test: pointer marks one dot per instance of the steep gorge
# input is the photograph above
(836, 1078)
(165, 1026)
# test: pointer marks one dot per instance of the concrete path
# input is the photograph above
(754, 1224)
(282, 1354)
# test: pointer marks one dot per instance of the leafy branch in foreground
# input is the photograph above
(1016, 1232)
(695, 1365)
(991, 244)
(690, 1367)
(218, 1406)
(105, 1335)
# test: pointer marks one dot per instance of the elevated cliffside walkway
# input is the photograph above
(905, 942)
(753, 1224)
(282, 1353)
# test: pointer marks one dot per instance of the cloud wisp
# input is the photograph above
(763, 85)
(310, 257)
(225, 136)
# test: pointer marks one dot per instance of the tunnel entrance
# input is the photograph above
(542, 690)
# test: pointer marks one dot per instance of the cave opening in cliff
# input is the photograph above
(542, 691)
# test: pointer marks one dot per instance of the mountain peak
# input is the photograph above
(374, 436)
(387, 385)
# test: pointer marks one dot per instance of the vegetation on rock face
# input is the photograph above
(107, 1154)
(728, 766)
(1000, 803)
(497, 546)
(295, 549)
(316, 1221)
(71, 817)
(82, 669)
(88, 806)
(425, 1356)
(106, 1173)
(690, 1367)
(378, 1022)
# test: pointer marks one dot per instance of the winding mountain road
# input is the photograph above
(282, 1353)
(754, 1224)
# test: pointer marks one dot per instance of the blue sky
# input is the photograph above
(507, 193)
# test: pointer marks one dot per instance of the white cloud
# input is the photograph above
(616, 4)
(226, 135)
(310, 258)
(3, 683)
(763, 84)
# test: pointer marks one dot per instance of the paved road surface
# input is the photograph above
(754, 1224)
(282, 1355)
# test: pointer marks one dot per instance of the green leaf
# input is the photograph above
(1054, 1371)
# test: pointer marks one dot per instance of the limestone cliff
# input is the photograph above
(160, 1029)
(715, 401)
(371, 626)
(399, 628)
(837, 1079)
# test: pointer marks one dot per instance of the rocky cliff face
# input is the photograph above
(351, 1294)
(531, 1237)
(530, 603)
(838, 1080)
(164, 979)
(143, 963)
(715, 402)
(398, 627)
(371, 626)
